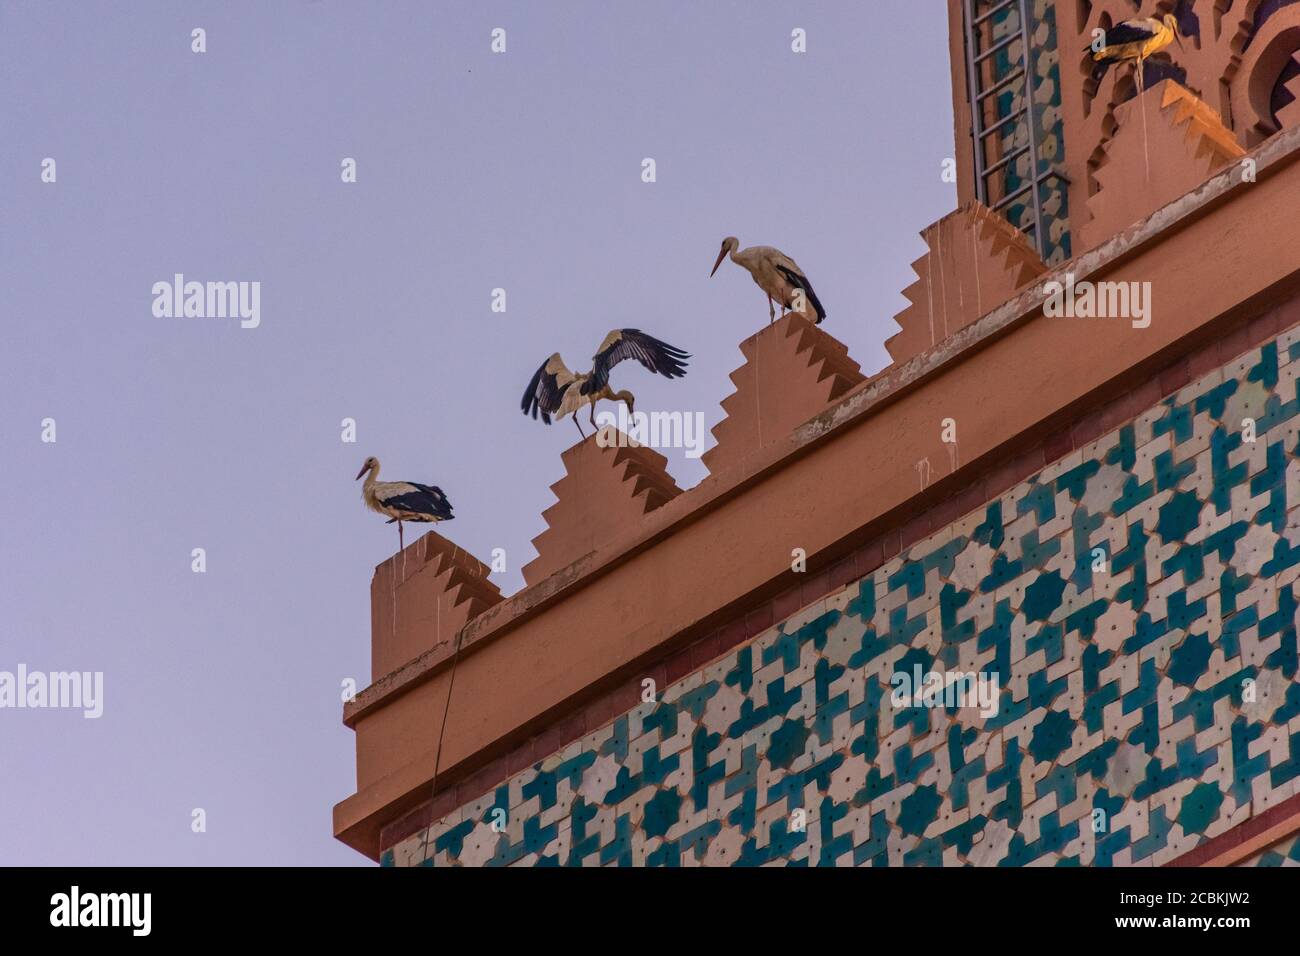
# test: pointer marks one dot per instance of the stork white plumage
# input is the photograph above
(776, 274)
(402, 500)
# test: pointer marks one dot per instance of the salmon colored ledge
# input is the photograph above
(1205, 344)
(857, 565)
(1246, 839)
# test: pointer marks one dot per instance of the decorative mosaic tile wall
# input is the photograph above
(1137, 602)
(1286, 853)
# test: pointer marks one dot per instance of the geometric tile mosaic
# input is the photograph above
(1286, 853)
(1135, 603)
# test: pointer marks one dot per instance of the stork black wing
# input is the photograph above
(1129, 31)
(801, 282)
(620, 344)
(544, 392)
(426, 500)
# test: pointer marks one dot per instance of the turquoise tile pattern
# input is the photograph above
(1136, 603)
(1285, 853)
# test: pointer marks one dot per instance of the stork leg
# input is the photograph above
(1146, 146)
(579, 427)
(771, 310)
(401, 544)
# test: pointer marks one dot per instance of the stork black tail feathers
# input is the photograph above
(816, 303)
(428, 501)
(439, 506)
(801, 282)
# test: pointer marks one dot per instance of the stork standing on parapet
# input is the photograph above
(776, 274)
(1134, 40)
(402, 500)
(557, 391)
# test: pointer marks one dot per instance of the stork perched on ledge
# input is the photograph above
(776, 274)
(1133, 40)
(402, 500)
(555, 390)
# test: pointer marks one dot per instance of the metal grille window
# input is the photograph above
(1013, 89)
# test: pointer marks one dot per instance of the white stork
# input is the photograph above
(1133, 40)
(402, 500)
(776, 274)
(555, 390)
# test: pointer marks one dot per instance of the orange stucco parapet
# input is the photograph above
(1233, 63)
(1154, 159)
(850, 471)
(793, 369)
(610, 482)
(421, 597)
(976, 260)
(1232, 66)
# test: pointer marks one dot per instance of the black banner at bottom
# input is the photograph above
(388, 905)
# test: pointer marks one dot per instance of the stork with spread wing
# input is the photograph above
(557, 391)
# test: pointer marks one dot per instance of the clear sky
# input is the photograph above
(520, 170)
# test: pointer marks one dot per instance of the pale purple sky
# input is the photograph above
(476, 170)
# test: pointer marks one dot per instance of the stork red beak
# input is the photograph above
(363, 470)
(721, 255)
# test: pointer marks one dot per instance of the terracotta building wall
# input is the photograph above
(1240, 59)
(1071, 505)
(1063, 368)
(1135, 600)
